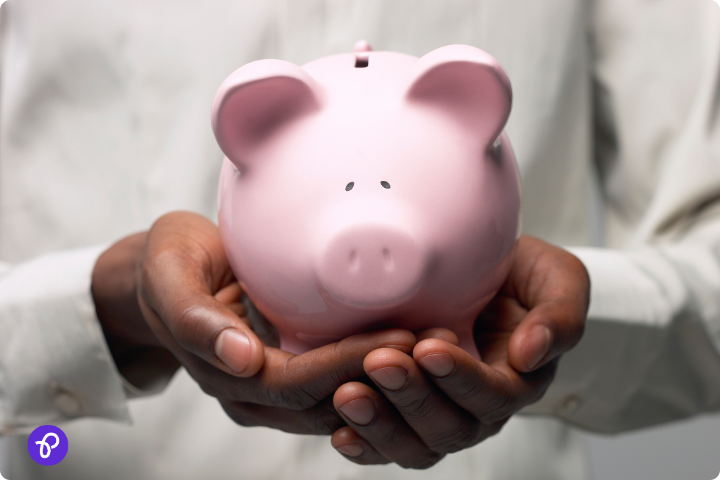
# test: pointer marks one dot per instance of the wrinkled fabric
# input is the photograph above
(104, 126)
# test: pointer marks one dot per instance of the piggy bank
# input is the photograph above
(368, 190)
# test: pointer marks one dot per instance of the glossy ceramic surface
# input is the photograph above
(368, 190)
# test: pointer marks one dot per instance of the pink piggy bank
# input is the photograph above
(368, 190)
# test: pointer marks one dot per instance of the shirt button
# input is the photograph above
(570, 404)
(67, 403)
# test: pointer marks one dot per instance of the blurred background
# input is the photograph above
(685, 450)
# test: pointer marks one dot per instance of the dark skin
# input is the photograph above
(441, 400)
(167, 298)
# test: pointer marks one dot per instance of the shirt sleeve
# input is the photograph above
(54, 363)
(650, 350)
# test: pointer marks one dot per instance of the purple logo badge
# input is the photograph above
(47, 445)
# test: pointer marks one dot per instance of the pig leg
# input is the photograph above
(466, 339)
(291, 343)
(467, 343)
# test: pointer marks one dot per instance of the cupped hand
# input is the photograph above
(441, 400)
(168, 297)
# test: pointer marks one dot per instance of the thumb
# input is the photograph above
(201, 326)
(184, 267)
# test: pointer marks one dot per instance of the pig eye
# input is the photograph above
(385, 184)
(349, 186)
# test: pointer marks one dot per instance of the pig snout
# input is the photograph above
(372, 266)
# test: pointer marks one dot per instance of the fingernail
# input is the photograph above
(391, 378)
(232, 347)
(438, 364)
(360, 411)
(537, 345)
(351, 450)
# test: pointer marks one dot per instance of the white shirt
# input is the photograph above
(104, 126)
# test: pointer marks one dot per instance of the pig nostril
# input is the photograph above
(349, 186)
(385, 184)
(354, 262)
(388, 260)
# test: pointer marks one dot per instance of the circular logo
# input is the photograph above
(47, 445)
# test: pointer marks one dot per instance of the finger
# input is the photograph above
(436, 419)
(494, 326)
(184, 266)
(262, 327)
(239, 310)
(236, 350)
(489, 392)
(554, 285)
(544, 334)
(229, 294)
(441, 333)
(355, 448)
(375, 420)
(321, 419)
(231, 297)
(299, 382)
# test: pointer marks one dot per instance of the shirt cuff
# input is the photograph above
(54, 362)
(647, 355)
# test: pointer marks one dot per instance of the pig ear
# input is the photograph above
(467, 84)
(255, 102)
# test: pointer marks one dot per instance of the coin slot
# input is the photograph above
(362, 61)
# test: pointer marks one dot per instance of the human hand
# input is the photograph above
(171, 292)
(441, 400)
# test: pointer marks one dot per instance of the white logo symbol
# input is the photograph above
(718, 3)
(44, 445)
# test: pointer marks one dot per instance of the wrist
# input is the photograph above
(134, 347)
